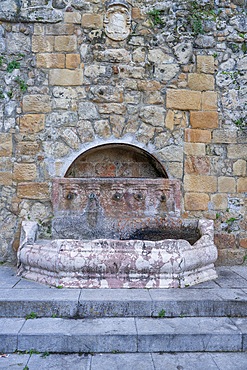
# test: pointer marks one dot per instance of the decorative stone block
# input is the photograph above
(200, 82)
(33, 190)
(204, 120)
(196, 201)
(92, 20)
(66, 43)
(183, 99)
(37, 103)
(43, 44)
(32, 123)
(200, 184)
(51, 60)
(197, 136)
(66, 77)
(6, 145)
(25, 172)
(205, 64)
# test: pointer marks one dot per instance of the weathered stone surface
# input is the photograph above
(196, 201)
(50, 60)
(43, 44)
(88, 111)
(33, 190)
(92, 20)
(65, 43)
(24, 172)
(197, 165)
(239, 168)
(205, 64)
(200, 184)
(32, 123)
(66, 77)
(209, 100)
(236, 151)
(6, 145)
(183, 99)
(36, 103)
(194, 149)
(197, 136)
(204, 120)
(200, 81)
(242, 185)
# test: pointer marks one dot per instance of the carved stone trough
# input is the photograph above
(118, 233)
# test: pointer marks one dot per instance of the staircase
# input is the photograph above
(210, 317)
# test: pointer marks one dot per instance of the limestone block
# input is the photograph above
(72, 17)
(242, 185)
(223, 241)
(27, 148)
(112, 108)
(204, 120)
(38, 29)
(172, 153)
(205, 64)
(113, 56)
(36, 103)
(243, 243)
(73, 61)
(200, 184)
(197, 136)
(25, 172)
(59, 29)
(139, 55)
(32, 123)
(5, 178)
(197, 165)
(153, 115)
(237, 151)
(50, 60)
(5, 145)
(43, 44)
(150, 85)
(219, 201)
(224, 136)
(158, 56)
(33, 190)
(196, 149)
(209, 100)
(92, 20)
(196, 201)
(18, 42)
(66, 43)
(66, 77)
(88, 110)
(102, 129)
(226, 184)
(106, 94)
(153, 97)
(200, 81)
(239, 168)
(183, 99)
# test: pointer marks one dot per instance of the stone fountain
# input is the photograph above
(119, 232)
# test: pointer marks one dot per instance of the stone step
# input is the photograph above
(127, 361)
(130, 335)
(76, 303)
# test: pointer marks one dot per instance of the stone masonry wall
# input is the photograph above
(175, 87)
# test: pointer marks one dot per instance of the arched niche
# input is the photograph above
(116, 160)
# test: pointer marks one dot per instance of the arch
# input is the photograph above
(116, 160)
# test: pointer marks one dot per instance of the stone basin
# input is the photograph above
(112, 263)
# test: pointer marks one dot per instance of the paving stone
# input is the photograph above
(14, 361)
(8, 277)
(188, 334)
(45, 303)
(91, 335)
(136, 361)
(241, 323)
(240, 270)
(230, 279)
(58, 362)
(230, 361)
(115, 302)
(9, 329)
(184, 361)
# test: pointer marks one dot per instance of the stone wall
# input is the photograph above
(175, 87)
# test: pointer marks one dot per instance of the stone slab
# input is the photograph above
(241, 323)
(183, 361)
(47, 303)
(58, 362)
(188, 334)
(227, 278)
(9, 329)
(91, 335)
(116, 302)
(230, 361)
(14, 361)
(8, 278)
(135, 361)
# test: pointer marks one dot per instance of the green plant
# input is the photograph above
(154, 16)
(32, 315)
(245, 258)
(240, 123)
(244, 47)
(217, 215)
(12, 66)
(33, 352)
(162, 313)
(45, 354)
(198, 13)
(26, 368)
(230, 220)
(10, 94)
(22, 84)
(1, 94)
(1, 61)
(59, 287)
